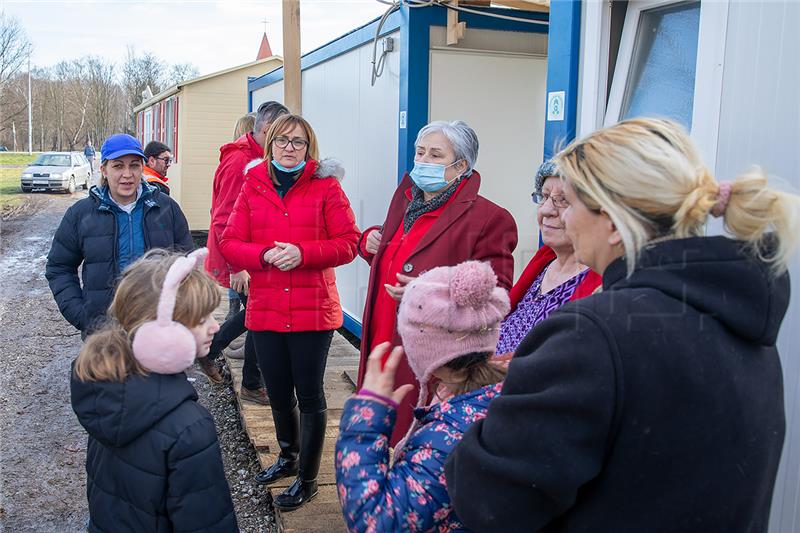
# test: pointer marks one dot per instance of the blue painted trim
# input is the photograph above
(414, 81)
(563, 58)
(341, 45)
(352, 325)
(249, 100)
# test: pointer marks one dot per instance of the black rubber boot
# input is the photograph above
(312, 439)
(287, 432)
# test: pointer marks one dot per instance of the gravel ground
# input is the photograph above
(42, 446)
(252, 500)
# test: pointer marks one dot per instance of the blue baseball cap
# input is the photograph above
(120, 144)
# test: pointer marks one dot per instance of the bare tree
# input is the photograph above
(181, 72)
(83, 99)
(106, 109)
(15, 48)
(138, 73)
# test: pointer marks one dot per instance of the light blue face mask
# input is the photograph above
(430, 176)
(298, 166)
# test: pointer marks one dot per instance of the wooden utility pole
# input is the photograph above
(292, 82)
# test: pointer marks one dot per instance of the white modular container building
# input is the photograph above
(494, 79)
(727, 69)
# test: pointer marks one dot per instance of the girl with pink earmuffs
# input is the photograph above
(153, 460)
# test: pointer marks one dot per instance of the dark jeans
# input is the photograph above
(228, 332)
(294, 362)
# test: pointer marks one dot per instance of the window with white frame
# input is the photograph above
(656, 64)
(661, 58)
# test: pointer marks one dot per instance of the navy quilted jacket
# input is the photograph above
(88, 237)
(153, 461)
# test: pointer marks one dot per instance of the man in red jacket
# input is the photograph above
(228, 181)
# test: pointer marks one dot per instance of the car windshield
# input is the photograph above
(51, 160)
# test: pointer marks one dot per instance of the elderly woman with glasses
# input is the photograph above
(436, 218)
(553, 276)
(290, 227)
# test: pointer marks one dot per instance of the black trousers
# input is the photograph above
(294, 363)
(228, 332)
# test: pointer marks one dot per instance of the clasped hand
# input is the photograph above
(283, 256)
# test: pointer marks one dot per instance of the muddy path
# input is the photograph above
(42, 447)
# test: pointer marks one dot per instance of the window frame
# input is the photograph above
(596, 112)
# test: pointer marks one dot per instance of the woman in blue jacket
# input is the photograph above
(449, 321)
(107, 231)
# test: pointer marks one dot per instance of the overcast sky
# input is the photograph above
(212, 35)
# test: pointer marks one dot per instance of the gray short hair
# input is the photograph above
(462, 138)
(268, 112)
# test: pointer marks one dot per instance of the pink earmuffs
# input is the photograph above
(164, 346)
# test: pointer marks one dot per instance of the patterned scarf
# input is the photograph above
(419, 206)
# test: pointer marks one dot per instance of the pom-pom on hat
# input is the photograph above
(448, 312)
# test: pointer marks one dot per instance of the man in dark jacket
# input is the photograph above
(228, 181)
(158, 160)
(110, 229)
(150, 432)
(656, 405)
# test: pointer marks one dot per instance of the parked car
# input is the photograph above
(57, 171)
(3, 149)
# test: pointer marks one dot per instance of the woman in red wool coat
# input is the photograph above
(291, 225)
(436, 218)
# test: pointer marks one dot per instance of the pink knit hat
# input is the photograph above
(448, 312)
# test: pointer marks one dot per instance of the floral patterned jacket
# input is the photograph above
(411, 495)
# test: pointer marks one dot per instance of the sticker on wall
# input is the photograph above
(402, 120)
(555, 105)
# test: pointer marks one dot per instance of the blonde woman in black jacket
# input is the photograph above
(656, 405)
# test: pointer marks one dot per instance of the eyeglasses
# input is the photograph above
(283, 142)
(166, 160)
(559, 200)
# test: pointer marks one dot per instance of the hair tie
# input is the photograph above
(723, 197)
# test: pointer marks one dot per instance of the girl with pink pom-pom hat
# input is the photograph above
(449, 321)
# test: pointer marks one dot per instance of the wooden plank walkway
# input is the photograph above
(323, 514)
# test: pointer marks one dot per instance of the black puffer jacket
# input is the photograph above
(88, 235)
(656, 405)
(153, 462)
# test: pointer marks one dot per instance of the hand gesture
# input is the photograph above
(373, 241)
(240, 282)
(381, 381)
(285, 256)
(397, 290)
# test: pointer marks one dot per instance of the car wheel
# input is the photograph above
(85, 184)
(71, 187)
(27, 189)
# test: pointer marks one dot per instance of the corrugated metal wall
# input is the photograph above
(760, 124)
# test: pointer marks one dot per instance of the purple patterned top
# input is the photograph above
(532, 309)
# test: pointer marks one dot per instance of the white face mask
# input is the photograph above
(430, 176)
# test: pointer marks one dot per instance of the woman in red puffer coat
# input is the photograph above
(291, 225)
